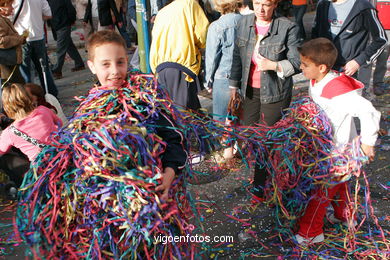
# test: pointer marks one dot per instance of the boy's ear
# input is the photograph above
(323, 68)
(91, 66)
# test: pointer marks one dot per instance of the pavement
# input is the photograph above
(227, 196)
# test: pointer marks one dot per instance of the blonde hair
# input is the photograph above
(17, 102)
(227, 6)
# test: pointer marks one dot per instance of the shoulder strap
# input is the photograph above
(26, 137)
(18, 12)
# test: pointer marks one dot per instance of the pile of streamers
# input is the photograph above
(92, 193)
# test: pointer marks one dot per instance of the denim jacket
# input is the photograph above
(279, 44)
(219, 47)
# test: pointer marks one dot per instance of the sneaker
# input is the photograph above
(310, 240)
(11, 190)
(333, 220)
(196, 159)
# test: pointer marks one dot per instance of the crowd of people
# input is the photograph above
(248, 54)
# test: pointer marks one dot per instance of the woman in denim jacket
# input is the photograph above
(219, 55)
(265, 58)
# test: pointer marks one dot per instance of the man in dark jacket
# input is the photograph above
(350, 24)
(64, 15)
(104, 8)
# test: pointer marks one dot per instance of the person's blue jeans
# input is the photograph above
(122, 30)
(221, 97)
(299, 12)
(33, 51)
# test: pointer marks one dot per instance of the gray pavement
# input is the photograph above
(228, 196)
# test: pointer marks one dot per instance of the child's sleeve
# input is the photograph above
(5, 144)
(175, 155)
(369, 117)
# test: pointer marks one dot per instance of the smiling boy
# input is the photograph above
(107, 59)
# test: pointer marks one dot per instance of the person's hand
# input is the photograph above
(351, 67)
(152, 19)
(264, 64)
(233, 91)
(209, 87)
(120, 24)
(368, 151)
(167, 178)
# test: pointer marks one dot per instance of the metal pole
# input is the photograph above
(143, 35)
(43, 66)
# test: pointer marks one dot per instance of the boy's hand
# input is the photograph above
(351, 67)
(167, 178)
(368, 151)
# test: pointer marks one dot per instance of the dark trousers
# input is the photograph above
(182, 92)
(123, 31)
(256, 112)
(65, 45)
(34, 51)
(299, 12)
(15, 164)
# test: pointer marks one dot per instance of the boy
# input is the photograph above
(107, 59)
(112, 168)
(339, 97)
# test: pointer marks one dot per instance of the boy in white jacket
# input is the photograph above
(340, 97)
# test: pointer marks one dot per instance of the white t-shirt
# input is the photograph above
(30, 18)
(338, 13)
(94, 8)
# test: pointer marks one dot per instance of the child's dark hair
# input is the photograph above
(38, 91)
(320, 51)
(103, 37)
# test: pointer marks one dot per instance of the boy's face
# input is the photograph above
(310, 70)
(109, 64)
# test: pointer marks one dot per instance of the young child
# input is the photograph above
(48, 100)
(114, 164)
(107, 59)
(29, 132)
(340, 98)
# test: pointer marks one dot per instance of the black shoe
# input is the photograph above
(78, 68)
(57, 75)
(380, 89)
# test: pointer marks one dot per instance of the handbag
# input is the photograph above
(235, 106)
(8, 56)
